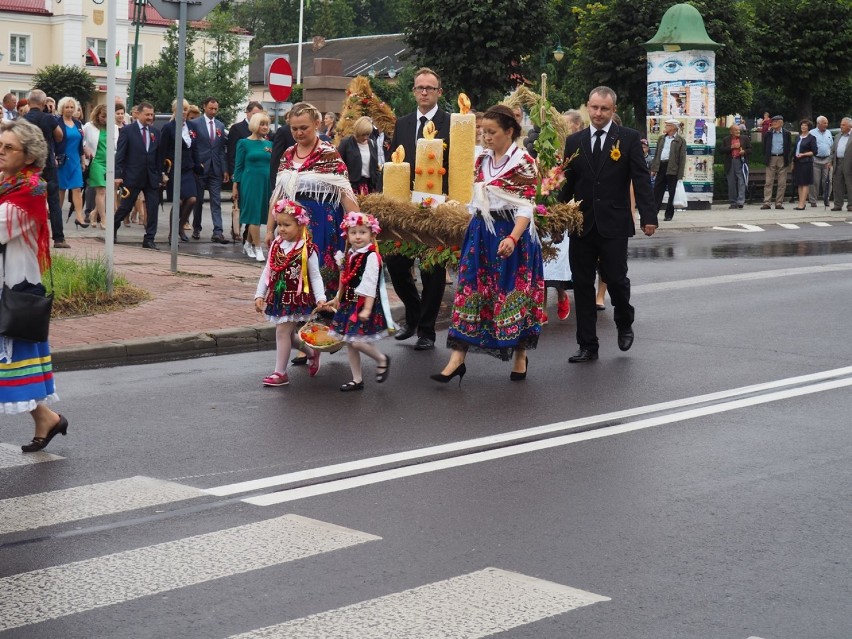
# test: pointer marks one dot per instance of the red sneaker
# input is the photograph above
(543, 319)
(276, 379)
(563, 308)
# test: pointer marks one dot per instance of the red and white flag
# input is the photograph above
(94, 56)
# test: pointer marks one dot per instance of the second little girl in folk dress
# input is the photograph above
(290, 287)
(362, 315)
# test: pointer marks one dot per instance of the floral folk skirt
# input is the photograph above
(26, 379)
(325, 230)
(350, 328)
(498, 304)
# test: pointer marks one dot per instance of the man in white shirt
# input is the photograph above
(10, 104)
(822, 161)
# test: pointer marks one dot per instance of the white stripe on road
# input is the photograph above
(12, 456)
(478, 604)
(743, 228)
(58, 591)
(73, 504)
(786, 225)
(519, 449)
(280, 80)
(502, 438)
(820, 223)
(661, 287)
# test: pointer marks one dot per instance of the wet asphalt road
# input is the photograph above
(697, 513)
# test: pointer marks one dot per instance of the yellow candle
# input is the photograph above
(396, 181)
(429, 164)
(462, 154)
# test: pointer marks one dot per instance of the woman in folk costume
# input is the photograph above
(313, 173)
(498, 305)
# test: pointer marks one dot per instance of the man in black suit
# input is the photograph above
(53, 134)
(421, 311)
(282, 141)
(609, 159)
(213, 155)
(137, 169)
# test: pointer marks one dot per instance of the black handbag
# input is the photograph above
(25, 309)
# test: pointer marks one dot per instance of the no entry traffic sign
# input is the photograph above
(280, 79)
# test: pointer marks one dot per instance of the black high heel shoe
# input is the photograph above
(517, 377)
(80, 224)
(461, 369)
(40, 442)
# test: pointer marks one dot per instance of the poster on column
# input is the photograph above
(682, 85)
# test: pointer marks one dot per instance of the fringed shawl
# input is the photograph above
(515, 184)
(25, 195)
(323, 175)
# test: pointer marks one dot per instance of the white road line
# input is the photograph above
(519, 449)
(675, 285)
(12, 456)
(58, 591)
(786, 225)
(93, 500)
(743, 228)
(502, 438)
(820, 224)
(478, 604)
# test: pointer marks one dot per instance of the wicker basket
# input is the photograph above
(315, 334)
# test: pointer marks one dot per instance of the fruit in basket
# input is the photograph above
(317, 335)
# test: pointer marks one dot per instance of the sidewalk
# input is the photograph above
(206, 308)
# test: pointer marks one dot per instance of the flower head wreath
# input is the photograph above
(354, 218)
(299, 213)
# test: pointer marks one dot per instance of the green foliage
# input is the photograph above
(59, 81)
(73, 277)
(397, 94)
(477, 47)
(804, 47)
(220, 76)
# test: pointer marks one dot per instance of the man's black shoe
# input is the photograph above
(403, 333)
(220, 239)
(150, 245)
(196, 235)
(583, 355)
(625, 339)
(424, 344)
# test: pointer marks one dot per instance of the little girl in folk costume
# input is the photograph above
(362, 313)
(290, 287)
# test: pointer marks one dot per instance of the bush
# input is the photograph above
(79, 287)
(59, 81)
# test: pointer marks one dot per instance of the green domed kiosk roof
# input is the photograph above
(681, 28)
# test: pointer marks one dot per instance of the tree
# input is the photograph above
(221, 74)
(803, 47)
(620, 27)
(59, 81)
(477, 47)
(157, 82)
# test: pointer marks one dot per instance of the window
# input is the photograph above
(139, 59)
(98, 46)
(19, 49)
(216, 57)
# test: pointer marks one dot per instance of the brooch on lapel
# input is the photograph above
(191, 133)
(615, 152)
(218, 133)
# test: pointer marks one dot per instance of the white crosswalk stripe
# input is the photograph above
(11, 456)
(54, 592)
(820, 224)
(73, 504)
(478, 604)
(786, 225)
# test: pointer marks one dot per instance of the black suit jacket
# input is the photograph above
(604, 190)
(188, 157)
(351, 155)
(282, 141)
(212, 154)
(405, 133)
(138, 168)
(236, 133)
(767, 146)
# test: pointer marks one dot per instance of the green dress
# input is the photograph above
(97, 169)
(252, 174)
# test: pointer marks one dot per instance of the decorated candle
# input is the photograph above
(429, 164)
(462, 152)
(397, 177)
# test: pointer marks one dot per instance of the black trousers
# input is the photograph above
(663, 183)
(152, 200)
(54, 209)
(587, 254)
(421, 311)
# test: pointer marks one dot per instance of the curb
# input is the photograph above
(165, 348)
